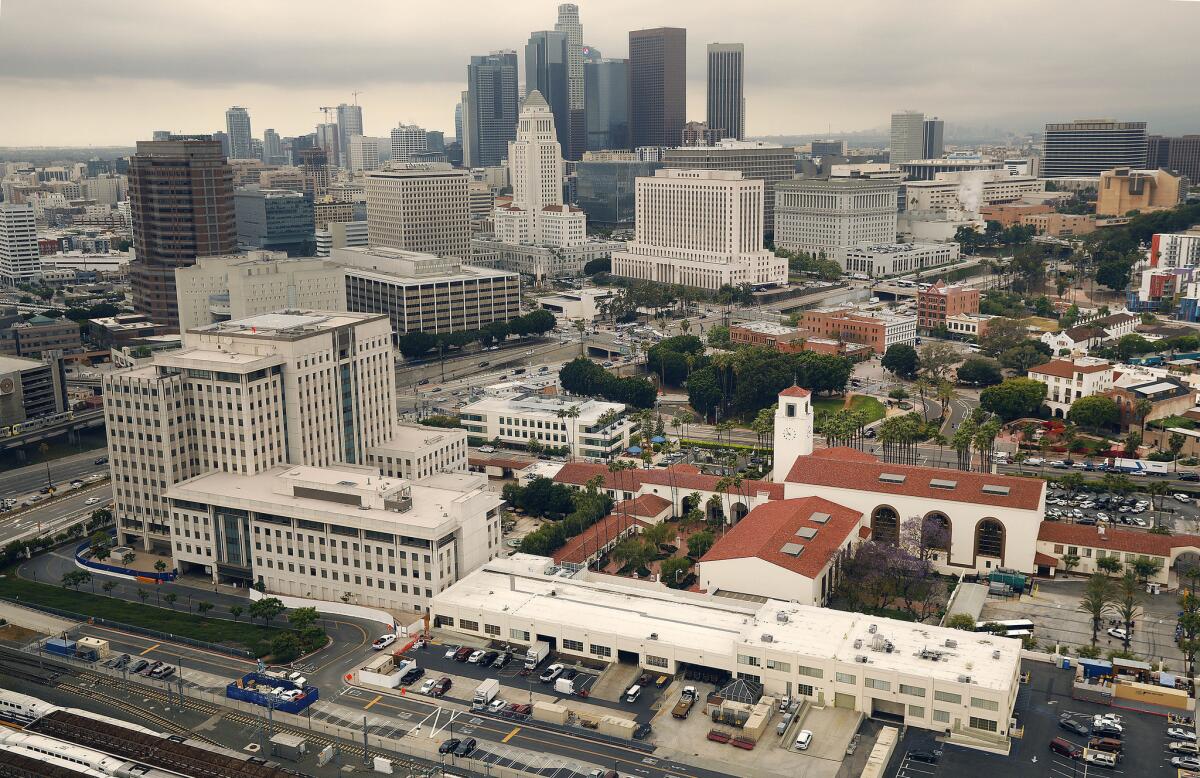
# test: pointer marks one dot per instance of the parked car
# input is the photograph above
(487, 658)
(928, 755)
(1184, 747)
(427, 687)
(1118, 632)
(451, 651)
(1189, 476)
(1179, 733)
(412, 676)
(475, 656)
(804, 740)
(139, 665)
(497, 705)
(441, 687)
(487, 449)
(383, 641)
(448, 746)
(1065, 747)
(1186, 762)
(465, 748)
(642, 731)
(503, 659)
(463, 654)
(1071, 725)
(149, 669)
(1183, 498)
(551, 673)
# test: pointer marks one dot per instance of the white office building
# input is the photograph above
(700, 228)
(407, 140)
(337, 533)
(516, 416)
(969, 191)
(242, 397)
(1169, 250)
(364, 153)
(831, 216)
(420, 207)
(889, 259)
(416, 451)
(20, 260)
(236, 286)
(930, 677)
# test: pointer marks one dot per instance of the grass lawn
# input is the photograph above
(869, 405)
(238, 634)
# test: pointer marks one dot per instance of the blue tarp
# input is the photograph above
(634, 449)
(1094, 668)
(247, 691)
(1166, 679)
(658, 439)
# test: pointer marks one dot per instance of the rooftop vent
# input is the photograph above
(819, 518)
(873, 629)
(996, 654)
(858, 642)
(767, 637)
(807, 533)
(892, 478)
(792, 549)
(964, 679)
(654, 636)
(781, 617)
(938, 483)
(951, 643)
(345, 483)
(861, 659)
(993, 489)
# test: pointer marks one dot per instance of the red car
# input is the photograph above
(463, 653)
(441, 687)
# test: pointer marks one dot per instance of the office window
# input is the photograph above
(987, 725)
(603, 651)
(572, 645)
(873, 683)
(518, 634)
(473, 626)
(916, 711)
(979, 702)
(491, 629)
(811, 672)
(846, 678)
(805, 690)
(912, 691)
(948, 697)
(656, 661)
(746, 659)
(941, 716)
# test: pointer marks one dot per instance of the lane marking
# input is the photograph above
(510, 735)
(378, 697)
(148, 650)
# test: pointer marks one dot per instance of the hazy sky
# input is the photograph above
(111, 71)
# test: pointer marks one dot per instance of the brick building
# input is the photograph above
(875, 330)
(941, 302)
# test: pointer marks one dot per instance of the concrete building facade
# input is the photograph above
(726, 105)
(1122, 190)
(892, 259)
(20, 261)
(1088, 147)
(831, 216)
(755, 160)
(421, 208)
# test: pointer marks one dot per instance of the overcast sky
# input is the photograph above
(87, 72)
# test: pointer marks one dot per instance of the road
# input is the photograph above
(27, 480)
(54, 515)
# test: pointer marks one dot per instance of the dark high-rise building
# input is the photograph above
(435, 140)
(1088, 147)
(933, 144)
(546, 71)
(606, 104)
(726, 103)
(829, 148)
(657, 85)
(181, 207)
(491, 111)
(276, 220)
(222, 137)
(606, 190)
(1179, 154)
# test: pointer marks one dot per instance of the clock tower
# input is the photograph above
(793, 430)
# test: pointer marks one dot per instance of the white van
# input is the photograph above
(632, 693)
(1102, 758)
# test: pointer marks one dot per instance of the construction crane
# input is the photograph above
(327, 109)
(356, 94)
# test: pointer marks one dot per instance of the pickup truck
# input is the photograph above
(686, 701)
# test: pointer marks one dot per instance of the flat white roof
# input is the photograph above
(267, 325)
(519, 587)
(547, 406)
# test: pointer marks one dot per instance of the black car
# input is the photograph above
(413, 675)
(449, 746)
(487, 659)
(642, 731)
(1071, 725)
(570, 673)
(930, 756)
(503, 659)
(100, 461)
(149, 669)
(1189, 476)
(465, 748)
(422, 382)
(139, 665)
(1105, 731)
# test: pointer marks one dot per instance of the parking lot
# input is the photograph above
(1132, 511)
(519, 688)
(1040, 705)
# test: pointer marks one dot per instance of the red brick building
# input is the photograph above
(940, 302)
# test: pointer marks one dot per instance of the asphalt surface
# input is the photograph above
(53, 515)
(27, 480)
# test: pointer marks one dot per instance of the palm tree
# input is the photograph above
(1157, 491)
(1142, 409)
(923, 386)
(568, 413)
(945, 395)
(684, 326)
(1127, 603)
(1096, 601)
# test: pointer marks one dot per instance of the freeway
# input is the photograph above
(28, 479)
(54, 515)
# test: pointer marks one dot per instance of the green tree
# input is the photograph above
(978, 371)
(699, 543)
(1145, 568)
(1013, 398)
(108, 586)
(266, 609)
(1029, 354)
(937, 357)
(1176, 443)
(962, 621)
(303, 618)
(704, 391)
(1109, 564)
(1070, 562)
(160, 566)
(236, 611)
(675, 571)
(143, 595)
(1127, 603)
(1095, 412)
(1097, 600)
(204, 606)
(416, 344)
(285, 647)
(171, 597)
(718, 336)
(1003, 334)
(901, 360)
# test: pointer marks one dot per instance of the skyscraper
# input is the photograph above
(569, 24)
(237, 125)
(491, 120)
(314, 164)
(408, 139)
(606, 103)
(420, 207)
(20, 260)
(272, 147)
(1180, 154)
(1087, 147)
(181, 207)
(221, 137)
(349, 122)
(908, 136)
(657, 85)
(546, 72)
(458, 122)
(932, 142)
(726, 103)
(327, 139)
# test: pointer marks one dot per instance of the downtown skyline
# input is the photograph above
(201, 60)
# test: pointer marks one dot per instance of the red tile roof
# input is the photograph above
(1044, 560)
(864, 532)
(795, 391)
(1064, 368)
(648, 505)
(850, 469)
(770, 527)
(1123, 540)
(683, 477)
(504, 462)
(845, 453)
(595, 537)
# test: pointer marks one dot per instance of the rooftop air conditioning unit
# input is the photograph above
(951, 643)
(873, 629)
(654, 636)
(964, 679)
(996, 654)
(768, 637)
(781, 617)
(861, 659)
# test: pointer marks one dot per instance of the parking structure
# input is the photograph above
(1041, 703)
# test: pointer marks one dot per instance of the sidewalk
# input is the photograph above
(35, 620)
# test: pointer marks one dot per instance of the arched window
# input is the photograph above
(989, 539)
(885, 525)
(936, 528)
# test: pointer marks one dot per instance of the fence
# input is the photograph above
(151, 633)
(168, 576)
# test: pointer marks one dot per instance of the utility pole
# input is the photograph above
(366, 750)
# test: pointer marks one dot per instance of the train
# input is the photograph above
(17, 708)
(31, 425)
(48, 749)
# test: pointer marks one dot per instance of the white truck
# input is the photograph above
(564, 685)
(536, 653)
(485, 693)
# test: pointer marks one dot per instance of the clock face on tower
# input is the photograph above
(789, 434)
